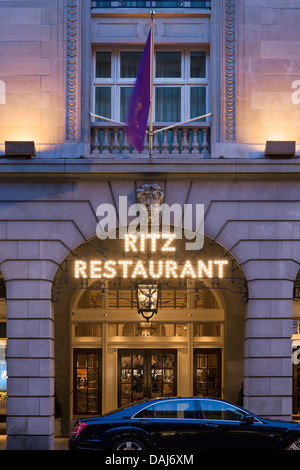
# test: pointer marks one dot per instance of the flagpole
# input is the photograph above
(152, 13)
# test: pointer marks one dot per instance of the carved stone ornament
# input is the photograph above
(150, 193)
(230, 72)
(71, 72)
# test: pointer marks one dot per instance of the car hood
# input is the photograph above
(281, 424)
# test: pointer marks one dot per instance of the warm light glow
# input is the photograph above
(188, 270)
(147, 298)
(111, 271)
(125, 264)
(80, 269)
(95, 269)
(171, 267)
(208, 270)
(153, 237)
(221, 264)
(170, 237)
(151, 269)
(130, 242)
(139, 270)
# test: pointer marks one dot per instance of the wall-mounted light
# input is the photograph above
(147, 299)
(280, 148)
(25, 149)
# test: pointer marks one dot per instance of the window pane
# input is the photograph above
(125, 98)
(103, 102)
(103, 64)
(168, 104)
(219, 410)
(181, 409)
(198, 101)
(88, 329)
(197, 64)
(130, 62)
(168, 64)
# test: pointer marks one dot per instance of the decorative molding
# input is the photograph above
(150, 193)
(230, 69)
(71, 73)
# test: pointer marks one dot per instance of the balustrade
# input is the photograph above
(189, 139)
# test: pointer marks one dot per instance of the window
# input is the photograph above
(180, 83)
(221, 411)
(88, 329)
(175, 409)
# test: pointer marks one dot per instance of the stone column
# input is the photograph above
(268, 331)
(30, 365)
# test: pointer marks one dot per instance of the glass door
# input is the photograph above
(146, 374)
(207, 372)
(163, 374)
(87, 381)
(131, 376)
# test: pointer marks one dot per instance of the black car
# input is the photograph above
(183, 424)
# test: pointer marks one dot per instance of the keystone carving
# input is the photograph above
(150, 193)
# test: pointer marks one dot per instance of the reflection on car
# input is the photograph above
(183, 424)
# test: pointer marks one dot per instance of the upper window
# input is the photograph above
(173, 409)
(180, 83)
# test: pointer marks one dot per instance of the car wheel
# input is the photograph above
(129, 443)
(293, 445)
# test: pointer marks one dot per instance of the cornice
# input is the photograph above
(116, 169)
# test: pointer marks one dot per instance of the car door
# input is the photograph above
(171, 423)
(228, 427)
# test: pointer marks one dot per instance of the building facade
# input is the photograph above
(72, 341)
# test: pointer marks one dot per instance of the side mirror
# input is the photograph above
(248, 419)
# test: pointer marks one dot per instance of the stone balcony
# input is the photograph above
(204, 4)
(185, 140)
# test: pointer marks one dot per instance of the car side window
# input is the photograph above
(178, 409)
(222, 411)
(145, 413)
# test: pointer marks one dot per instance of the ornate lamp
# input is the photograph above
(147, 299)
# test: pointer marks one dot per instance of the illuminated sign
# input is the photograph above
(149, 269)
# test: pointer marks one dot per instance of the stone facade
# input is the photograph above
(49, 202)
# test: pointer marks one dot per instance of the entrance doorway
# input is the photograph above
(207, 372)
(87, 367)
(146, 374)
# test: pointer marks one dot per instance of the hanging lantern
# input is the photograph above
(147, 299)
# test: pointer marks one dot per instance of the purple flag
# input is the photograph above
(140, 101)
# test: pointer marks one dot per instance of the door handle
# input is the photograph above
(211, 425)
(143, 421)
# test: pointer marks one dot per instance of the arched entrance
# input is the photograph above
(108, 355)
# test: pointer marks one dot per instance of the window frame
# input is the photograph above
(185, 82)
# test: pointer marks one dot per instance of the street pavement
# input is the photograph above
(60, 443)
